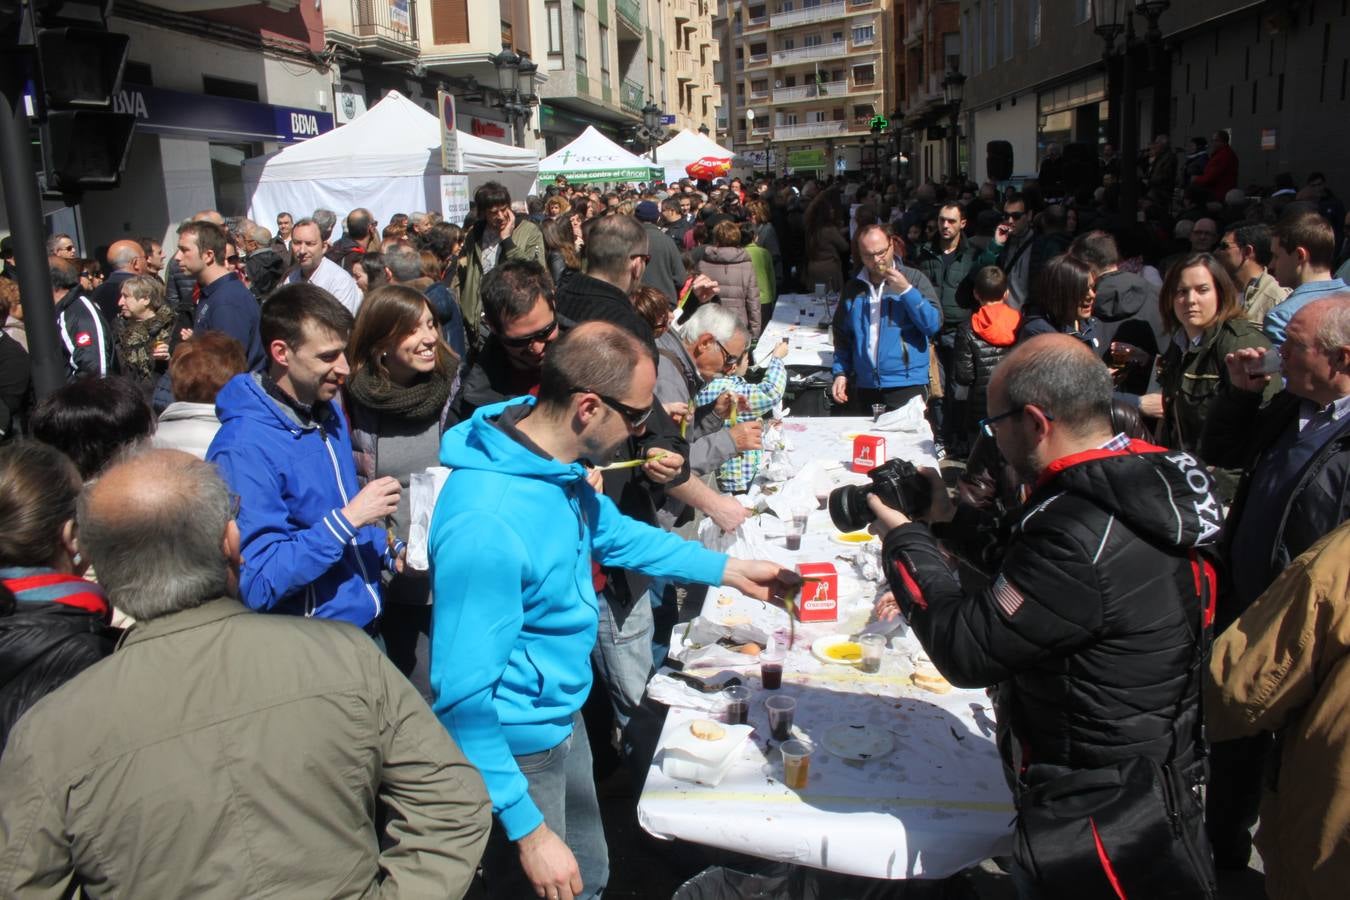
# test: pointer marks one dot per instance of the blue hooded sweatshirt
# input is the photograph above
(514, 614)
(908, 320)
(293, 476)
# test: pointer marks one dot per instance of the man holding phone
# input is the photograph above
(1012, 243)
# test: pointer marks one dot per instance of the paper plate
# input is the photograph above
(820, 649)
(858, 742)
(853, 538)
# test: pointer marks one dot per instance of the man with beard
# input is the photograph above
(515, 614)
(1090, 625)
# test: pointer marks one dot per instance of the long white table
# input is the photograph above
(798, 317)
(933, 806)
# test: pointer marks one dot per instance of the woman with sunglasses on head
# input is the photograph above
(1202, 310)
(1061, 303)
(402, 378)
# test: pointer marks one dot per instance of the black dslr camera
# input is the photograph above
(897, 483)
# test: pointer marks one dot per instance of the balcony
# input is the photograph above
(809, 15)
(809, 130)
(810, 91)
(630, 15)
(761, 129)
(756, 23)
(805, 54)
(684, 65)
(866, 43)
(756, 96)
(759, 59)
(630, 96)
(383, 30)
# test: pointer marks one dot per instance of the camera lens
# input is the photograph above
(848, 507)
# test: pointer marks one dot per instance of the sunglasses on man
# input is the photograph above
(538, 337)
(635, 417)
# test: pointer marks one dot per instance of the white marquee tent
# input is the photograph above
(594, 157)
(387, 160)
(685, 148)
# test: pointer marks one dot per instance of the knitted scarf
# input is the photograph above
(423, 400)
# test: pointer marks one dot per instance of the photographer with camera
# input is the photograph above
(1091, 628)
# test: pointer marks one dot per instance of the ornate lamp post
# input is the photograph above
(953, 90)
(512, 72)
(651, 120)
(1111, 19)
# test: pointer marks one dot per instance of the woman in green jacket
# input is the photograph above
(1203, 311)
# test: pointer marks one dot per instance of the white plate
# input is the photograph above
(840, 539)
(820, 645)
(858, 742)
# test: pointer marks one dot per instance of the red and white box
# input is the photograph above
(869, 451)
(819, 599)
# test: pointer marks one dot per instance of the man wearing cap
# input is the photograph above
(665, 270)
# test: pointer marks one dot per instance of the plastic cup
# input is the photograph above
(781, 710)
(794, 528)
(771, 668)
(873, 645)
(878, 410)
(822, 496)
(796, 763)
(820, 291)
(737, 704)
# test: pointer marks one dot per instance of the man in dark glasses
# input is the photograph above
(515, 610)
(1012, 242)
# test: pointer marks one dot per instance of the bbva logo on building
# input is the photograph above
(131, 102)
(304, 123)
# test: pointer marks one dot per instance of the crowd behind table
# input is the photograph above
(628, 387)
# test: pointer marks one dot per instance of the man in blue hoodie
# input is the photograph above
(515, 613)
(311, 543)
(882, 328)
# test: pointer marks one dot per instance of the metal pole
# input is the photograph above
(1129, 129)
(951, 147)
(25, 218)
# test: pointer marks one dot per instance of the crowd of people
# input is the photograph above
(1146, 423)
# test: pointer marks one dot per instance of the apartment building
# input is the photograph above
(928, 40)
(692, 54)
(803, 79)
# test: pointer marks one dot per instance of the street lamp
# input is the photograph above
(703, 129)
(512, 72)
(1111, 19)
(651, 120)
(953, 89)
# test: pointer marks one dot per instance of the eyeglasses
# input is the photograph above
(728, 361)
(986, 425)
(233, 260)
(1014, 216)
(539, 337)
(635, 417)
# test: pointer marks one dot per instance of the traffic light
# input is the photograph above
(78, 72)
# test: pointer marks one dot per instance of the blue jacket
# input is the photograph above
(908, 320)
(301, 555)
(514, 614)
(1277, 320)
(226, 305)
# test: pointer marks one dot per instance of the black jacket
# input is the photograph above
(1126, 310)
(15, 376)
(87, 343)
(1089, 627)
(1237, 432)
(42, 646)
(953, 284)
(180, 292)
(665, 270)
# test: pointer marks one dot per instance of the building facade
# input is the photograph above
(928, 47)
(212, 83)
(1275, 74)
(803, 80)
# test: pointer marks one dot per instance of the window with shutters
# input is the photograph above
(450, 21)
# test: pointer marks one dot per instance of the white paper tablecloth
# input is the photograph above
(797, 317)
(933, 806)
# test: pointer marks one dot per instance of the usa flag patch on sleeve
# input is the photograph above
(1008, 597)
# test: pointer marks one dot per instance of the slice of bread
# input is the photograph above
(930, 680)
(707, 730)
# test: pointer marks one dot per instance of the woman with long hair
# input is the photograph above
(403, 375)
(1062, 302)
(562, 246)
(826, 246)
(1202, 309)
(53, 623)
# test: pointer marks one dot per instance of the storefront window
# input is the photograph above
(227, 167)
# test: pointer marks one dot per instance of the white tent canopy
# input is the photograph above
(594, 157)
(685, 148)
(387, 160)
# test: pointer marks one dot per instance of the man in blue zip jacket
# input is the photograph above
(311, 543)
(882, 328)
(515, 613)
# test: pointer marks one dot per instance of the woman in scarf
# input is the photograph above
(144, 331)
(403, 375)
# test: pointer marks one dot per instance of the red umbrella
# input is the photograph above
(709, 167)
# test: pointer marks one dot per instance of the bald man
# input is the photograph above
(127, 260)
(1089, 624)
(215, 735)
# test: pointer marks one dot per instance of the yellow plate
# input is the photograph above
(854, 538)
(837, 649)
